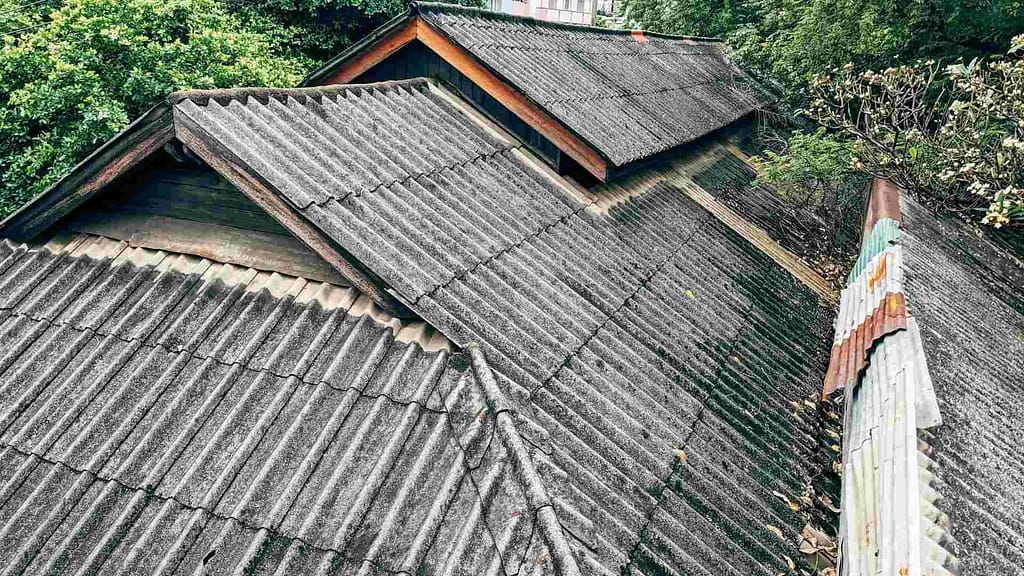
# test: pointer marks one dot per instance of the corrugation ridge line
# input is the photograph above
(537, 496)
(253, 528)
(560, 220)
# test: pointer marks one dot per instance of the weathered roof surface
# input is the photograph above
(630, 96)
(161, 413)
(625, 335)
(967, 298)
(645, 369)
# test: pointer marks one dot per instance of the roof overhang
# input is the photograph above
(410, 26)
(159, 126)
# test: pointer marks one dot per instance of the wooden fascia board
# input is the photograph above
(415, 28)
(385, 46)
(518, 103)
(120, 154)
(228, 165)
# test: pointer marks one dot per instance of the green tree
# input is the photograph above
(790, 42)
(314, 29)
(319, 29)
(72, 78)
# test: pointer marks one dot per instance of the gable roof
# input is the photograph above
(627, 96)
(650, 363)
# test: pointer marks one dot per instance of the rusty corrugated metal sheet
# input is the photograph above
(871, 306)
(890, 524)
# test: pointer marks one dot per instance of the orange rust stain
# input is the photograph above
(879, 273)
(638, 35)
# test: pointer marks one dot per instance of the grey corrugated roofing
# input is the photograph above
(651, 368)
(162, 414)
(624, 338)
(627, 95)
(966, 296)
(630, 99)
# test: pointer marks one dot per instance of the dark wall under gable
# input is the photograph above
(187, 207)
(170, 188)
(416, 60)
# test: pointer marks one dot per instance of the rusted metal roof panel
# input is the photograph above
(872, 305)
(890, 525)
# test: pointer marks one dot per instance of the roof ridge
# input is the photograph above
(537, 497)
(223, 95)
(414, 8)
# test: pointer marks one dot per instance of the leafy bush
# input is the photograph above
(814, 172)
(789, 42)
(72, 78)
(954, 136)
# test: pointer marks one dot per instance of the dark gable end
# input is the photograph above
(624, 97)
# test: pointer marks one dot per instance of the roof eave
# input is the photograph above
(117, 156)
(329, 68)
(387, 40)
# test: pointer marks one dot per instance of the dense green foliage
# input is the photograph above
(789, 42)
(75, 72)
(883, 116)
(72, 78)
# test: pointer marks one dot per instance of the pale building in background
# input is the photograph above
(569, 11)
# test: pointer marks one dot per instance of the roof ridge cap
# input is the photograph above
(550, 527)
(263, 93)
(415, 8)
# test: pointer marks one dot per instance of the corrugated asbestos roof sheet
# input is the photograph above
(965, 295)
(629, 96)
(651, 356)
(161, 414)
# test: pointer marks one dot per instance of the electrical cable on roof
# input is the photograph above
(24, 28)
(22, 7)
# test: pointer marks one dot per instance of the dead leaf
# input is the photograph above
(793, 506)
(681, 454)
(691, 294)
(776, 530)
(792, 565)
(827, 503)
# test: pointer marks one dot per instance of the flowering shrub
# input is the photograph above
(952, 135)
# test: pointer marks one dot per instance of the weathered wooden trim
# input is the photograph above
(262, 193)
(238, 246)
(119, 155)
(389, 43)
(530, 112)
